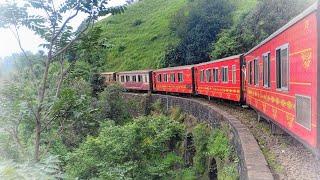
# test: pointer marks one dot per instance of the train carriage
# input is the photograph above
(220, 78)
(174, 80)
(109, 78)
(135, 80)
(282, 78)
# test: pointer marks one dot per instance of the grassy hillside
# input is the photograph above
(139, 37)
(242, 7)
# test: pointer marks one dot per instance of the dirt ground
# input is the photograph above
(287, 158)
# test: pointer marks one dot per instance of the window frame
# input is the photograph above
(201, 75)
(256, 72)
(134, 78)
(227, 74)
(250, 72)
(165, 77)
(215, 72)
(281, 88)
(159, 78)
(128, 78)
(122, 78)
(146, 79)
(210, 75)
(234, 74)
(268, 55)
(174, 77)
(140, 78)
(180, 77)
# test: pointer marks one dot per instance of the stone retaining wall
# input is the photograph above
(253, 165)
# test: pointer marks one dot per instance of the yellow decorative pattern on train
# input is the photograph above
(274, 113)
(219, 89)
(290, 119)
(271, 99)
(306, 58)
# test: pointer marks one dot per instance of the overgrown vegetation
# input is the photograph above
(197, 25)
(153, 147)
(251, 26)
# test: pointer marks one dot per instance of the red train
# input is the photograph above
(278, 78)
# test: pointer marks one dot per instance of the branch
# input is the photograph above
(66, 22)
(17, 36)
(71, 42)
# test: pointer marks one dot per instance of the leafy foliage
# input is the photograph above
(197, 26)
(139, 150)
(48, 168)
(255, 25)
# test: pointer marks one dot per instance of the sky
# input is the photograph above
(30, 42)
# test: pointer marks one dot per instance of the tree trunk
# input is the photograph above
(37, 138)
(41, 95)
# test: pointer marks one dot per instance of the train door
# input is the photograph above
(243, 75)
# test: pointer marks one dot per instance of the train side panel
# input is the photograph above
(174, 80)
(135, 80)
(220, 78)
(282, 79)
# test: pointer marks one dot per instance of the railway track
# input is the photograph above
(287, 158)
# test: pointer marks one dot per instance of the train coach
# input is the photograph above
(174, 80)
(135, 80)
(220, 78)
(283, 75)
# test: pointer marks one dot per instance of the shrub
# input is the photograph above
(140, 149)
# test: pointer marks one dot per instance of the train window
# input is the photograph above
(159, 78)
(122, 78)
(202, 76)
(250, 72)
(224, 74)
(180, 77)
(165, 77)
(172, 77)
(234, 74)
(216, 75)
(146, 78)
(134, 78)
(266, 70)
(282, 67)
(256, 72)
(127, 78)
(208, 75)
(139, 78)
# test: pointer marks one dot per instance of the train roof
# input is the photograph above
(174, 68)
(299, 17)
(108, 73)
(135, 72)
(220, 60)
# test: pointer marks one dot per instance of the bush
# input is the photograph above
(141, 149)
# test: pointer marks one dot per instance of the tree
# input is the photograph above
(197, 26)
(254, 26)
(51, 22)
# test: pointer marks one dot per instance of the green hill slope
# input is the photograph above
(139, 37)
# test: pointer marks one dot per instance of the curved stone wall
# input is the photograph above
(253, 165)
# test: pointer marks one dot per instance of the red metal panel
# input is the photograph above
(185, 86)
(144, 85)
(226, 90)
(280, 105)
